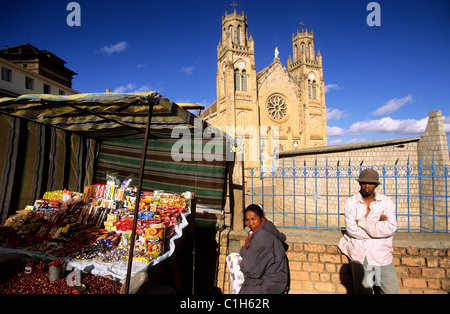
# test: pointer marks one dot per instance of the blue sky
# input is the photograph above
(381, 81)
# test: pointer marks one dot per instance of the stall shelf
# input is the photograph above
(86, 121)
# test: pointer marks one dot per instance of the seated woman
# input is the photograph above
(264, 262)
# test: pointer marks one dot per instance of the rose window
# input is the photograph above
(277, 107)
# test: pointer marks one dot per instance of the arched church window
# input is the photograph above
(237, 80)
(309, 51)
(244, 81)
(295, 53)
(242, 119)
(231, 33)
(224, 84)
(314, 90)
(239, 35)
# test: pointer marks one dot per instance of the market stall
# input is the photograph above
(108, 135)
(88, 234)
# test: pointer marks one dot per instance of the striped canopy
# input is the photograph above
(75, 140)
(100, 115)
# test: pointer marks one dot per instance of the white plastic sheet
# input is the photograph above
(234, 268)
(117, 270)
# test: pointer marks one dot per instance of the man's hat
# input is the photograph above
(368, 176)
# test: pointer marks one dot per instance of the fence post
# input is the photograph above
(350, 176)
(316, 172)
(338, 173)
(446, 197)
(408, 176)
(420, 193)
(396, 184)
(433, 175)
(294, 174)
(305, 174)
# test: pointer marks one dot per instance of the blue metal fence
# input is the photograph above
(304, 196)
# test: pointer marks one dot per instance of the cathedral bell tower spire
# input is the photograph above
(305, 66)
(236, 71)
(234, 33)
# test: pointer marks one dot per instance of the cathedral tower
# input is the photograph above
(306, 69)
(236, 73)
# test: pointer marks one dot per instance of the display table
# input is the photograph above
(116, 270)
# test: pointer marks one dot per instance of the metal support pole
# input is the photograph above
(138, 196)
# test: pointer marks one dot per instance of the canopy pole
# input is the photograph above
(138, 196)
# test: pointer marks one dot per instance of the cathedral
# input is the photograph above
(275, 109)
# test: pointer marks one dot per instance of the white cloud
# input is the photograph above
(124, 88)
(357, 140)
(330, 87)
(393, 105)
(188, 69)
(335, 142)
(119, 47)
(334, 131)
(336, 114)
(131, 88)
(144, 88)
(387, 124)
(384, 125)
(203, 102)
(446, 124)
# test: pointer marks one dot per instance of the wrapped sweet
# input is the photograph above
(155, 238)
(112, 256)
(124, 224)
(53, 195)
(91, 251)
(17, 221)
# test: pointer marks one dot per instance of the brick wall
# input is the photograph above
(317, 266)
(422, 270)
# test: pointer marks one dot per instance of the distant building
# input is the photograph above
(27, 70)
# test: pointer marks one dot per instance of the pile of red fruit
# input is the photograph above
(34, 280)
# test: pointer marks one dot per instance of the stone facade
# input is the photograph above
(277, 103)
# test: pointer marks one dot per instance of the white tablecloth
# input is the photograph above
(117, 270)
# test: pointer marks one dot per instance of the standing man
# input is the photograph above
(371, 223)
